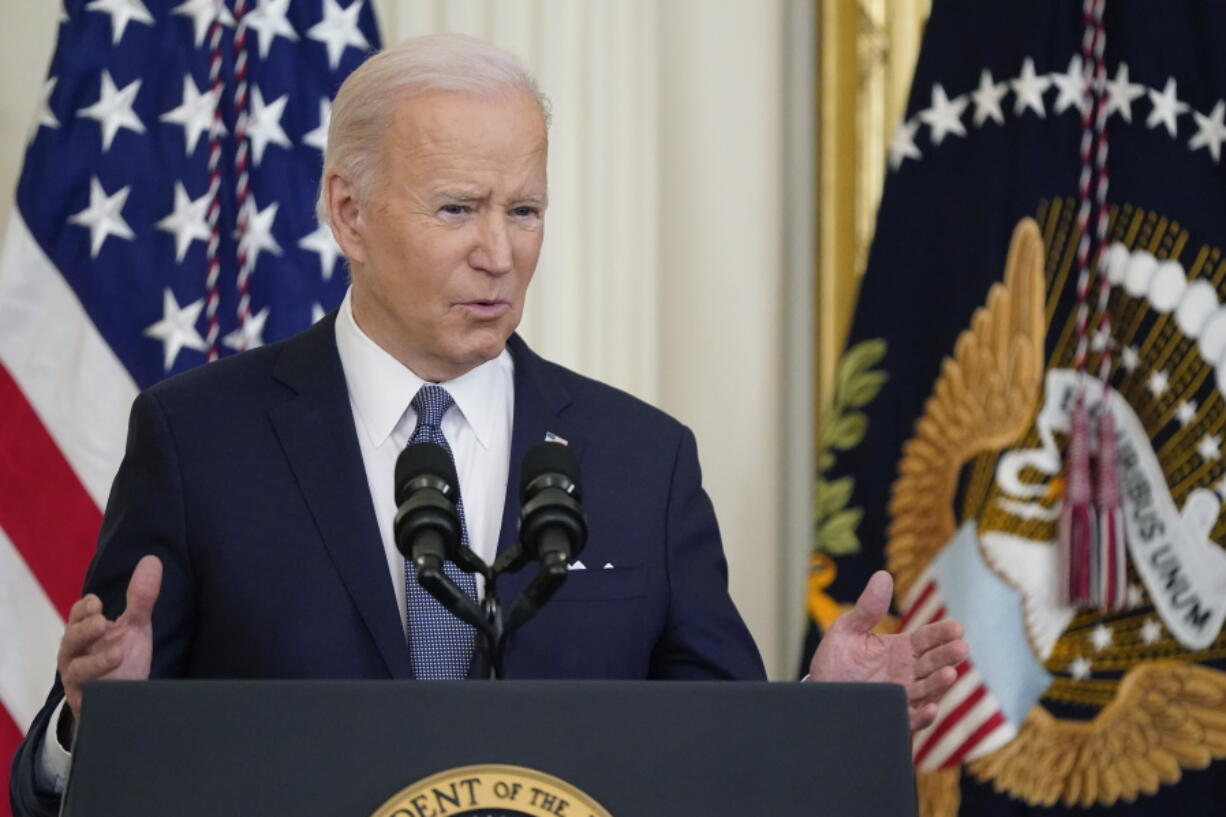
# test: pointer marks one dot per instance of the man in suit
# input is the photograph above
(248, 532)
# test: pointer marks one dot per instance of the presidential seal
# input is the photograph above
(491, 790)
(1059, 704)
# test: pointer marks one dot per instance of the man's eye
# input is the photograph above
(524, 212)
(454, 209)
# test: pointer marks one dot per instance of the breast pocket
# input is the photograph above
(595, 584)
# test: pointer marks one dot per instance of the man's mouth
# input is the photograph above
(486, 308)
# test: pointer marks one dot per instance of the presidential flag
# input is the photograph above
(1038, 357)
(164, 217)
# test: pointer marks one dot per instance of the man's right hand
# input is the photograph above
(95, 648)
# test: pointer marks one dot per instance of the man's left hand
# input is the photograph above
(922, 660)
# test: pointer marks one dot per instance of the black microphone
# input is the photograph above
(553, 527)
(427, 525)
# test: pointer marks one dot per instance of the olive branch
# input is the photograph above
(842, 428)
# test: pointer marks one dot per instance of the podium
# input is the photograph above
(636, 749)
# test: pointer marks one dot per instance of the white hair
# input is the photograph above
(363, 107)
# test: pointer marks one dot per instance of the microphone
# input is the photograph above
(427, 527)
(552, 527)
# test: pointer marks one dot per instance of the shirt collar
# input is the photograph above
(381, 387)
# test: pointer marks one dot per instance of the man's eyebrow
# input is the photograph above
(458, 195)
(539, 199)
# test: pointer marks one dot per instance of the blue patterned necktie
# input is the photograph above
(440, 645)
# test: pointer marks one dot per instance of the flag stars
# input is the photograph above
(1121, 93)
(944, 116)
(46, 117)
(987, 99)
(1209, 447)
(1028, 88)
(177, 328)
(1100, 341)
(257, 236)
(903, 146)
(1151, 631)
(269, 22)
(122, 12)
(338, 30)
(318, 138)
(113, 110)
(1186, 412)
(1101, 637)
(195, 113)
(264, 124)
(1157, 383)
(324, 245)
(203, 13)
(1135, 595)
(1166, 107)
(249, 334)
(104, 216)
(1210, 131)
(1079, 668)
(188, 221)
(1071, 87)
(1130, 358)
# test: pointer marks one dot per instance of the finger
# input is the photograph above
(93, 665)
(85, 607)
(143, 589)
(946, 655)
(930, 689)
(872, 604)
(923, 716)
(80, 635)
(934, 635)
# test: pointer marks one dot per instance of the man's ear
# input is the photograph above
(344, 214)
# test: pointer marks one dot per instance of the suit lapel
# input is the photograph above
(540, 406)
(317, 433)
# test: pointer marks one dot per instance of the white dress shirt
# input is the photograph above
(477, 427)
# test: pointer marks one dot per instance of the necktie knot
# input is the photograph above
(431, 403)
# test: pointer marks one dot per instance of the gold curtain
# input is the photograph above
(867, 53)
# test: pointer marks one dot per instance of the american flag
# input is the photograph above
(165, 217)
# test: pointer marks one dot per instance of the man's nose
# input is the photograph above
(493, 251)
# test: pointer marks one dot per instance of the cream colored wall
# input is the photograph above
(672, 267)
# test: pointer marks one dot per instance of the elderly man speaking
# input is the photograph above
(249, 530)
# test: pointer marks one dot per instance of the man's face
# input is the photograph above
(444, 245)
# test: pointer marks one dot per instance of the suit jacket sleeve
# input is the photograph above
(705, 637)
(144, 515)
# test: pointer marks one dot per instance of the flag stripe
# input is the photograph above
(965, 684)
(67, 372)
(966, 726)
(996, 721)
(44, 508)
(949, 722)
(912, 607)
(30, 630)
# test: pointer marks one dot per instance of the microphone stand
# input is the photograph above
(493, 628)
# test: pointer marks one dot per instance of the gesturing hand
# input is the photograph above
(94, 648)
(922, 661)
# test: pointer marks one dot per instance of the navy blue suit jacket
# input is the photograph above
(246, 479)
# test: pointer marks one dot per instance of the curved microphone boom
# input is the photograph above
(552, 528)
(427, 525)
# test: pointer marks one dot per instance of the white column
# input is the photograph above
(721, 286)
